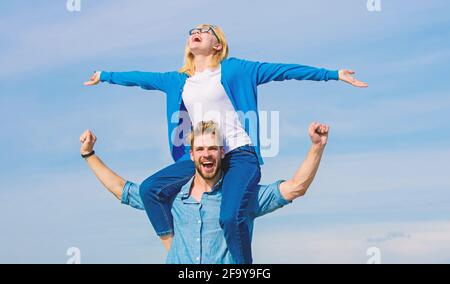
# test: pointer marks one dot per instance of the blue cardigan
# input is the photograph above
(240, 79)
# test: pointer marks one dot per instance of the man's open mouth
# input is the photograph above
(208, 166)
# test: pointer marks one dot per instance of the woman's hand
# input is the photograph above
(346, 76)
(94, 80)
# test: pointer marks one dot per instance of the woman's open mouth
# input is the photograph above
(197, 38)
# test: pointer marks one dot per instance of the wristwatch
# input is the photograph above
(85, 156)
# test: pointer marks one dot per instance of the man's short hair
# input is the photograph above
(203, 128)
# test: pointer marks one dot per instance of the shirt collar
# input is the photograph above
(186, 189)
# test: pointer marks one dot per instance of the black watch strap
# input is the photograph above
(88, 155)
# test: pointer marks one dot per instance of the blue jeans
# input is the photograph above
(242, 174)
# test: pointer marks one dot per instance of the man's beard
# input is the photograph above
(206, 175)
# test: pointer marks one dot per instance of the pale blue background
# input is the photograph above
(384, 179)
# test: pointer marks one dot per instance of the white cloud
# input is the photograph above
(386, 185)
(377, 118)
(96, 30)
(427, 242)
(354, 172)
(300, 233)
(65, 206)
(114, 27)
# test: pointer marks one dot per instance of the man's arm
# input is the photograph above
(113, 182)
(276, 195)
(299, 184)
(110, 180)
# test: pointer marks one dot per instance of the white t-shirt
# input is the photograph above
(205, 99)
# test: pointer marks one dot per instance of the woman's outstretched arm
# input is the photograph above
(266, 72)
(145, 80)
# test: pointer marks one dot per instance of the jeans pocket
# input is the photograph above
(246, 150)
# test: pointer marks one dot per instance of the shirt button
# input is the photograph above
(198, 240)
(199, 221)
(198, 258)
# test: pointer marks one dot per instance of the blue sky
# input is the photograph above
(384, 178)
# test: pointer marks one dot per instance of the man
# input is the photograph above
(198, 236)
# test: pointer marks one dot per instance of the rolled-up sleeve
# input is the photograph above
(131, 197)
(269, 199)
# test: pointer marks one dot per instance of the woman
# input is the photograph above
(209, 81)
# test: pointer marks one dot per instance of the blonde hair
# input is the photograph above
(204, 128)
(189, 65)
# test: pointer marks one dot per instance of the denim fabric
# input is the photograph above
(198, 236)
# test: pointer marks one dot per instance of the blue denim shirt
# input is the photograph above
(198, 237)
